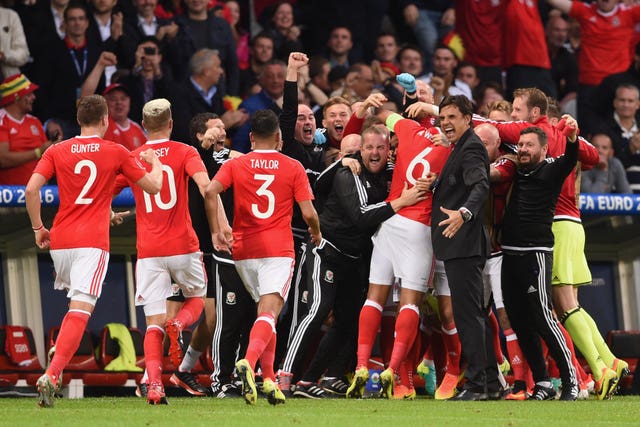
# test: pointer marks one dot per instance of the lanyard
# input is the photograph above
(79, 70)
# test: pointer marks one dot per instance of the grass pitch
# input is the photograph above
(131, 411)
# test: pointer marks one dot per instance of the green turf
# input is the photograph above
(109, 411)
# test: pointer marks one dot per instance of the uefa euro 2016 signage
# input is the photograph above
(591, 204)
(610, 204)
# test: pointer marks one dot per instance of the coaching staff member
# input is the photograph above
(461, 241)
(527, 245)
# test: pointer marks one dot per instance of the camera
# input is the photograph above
(149, 50)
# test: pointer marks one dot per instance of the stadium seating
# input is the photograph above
(626, 345)
(18, 356)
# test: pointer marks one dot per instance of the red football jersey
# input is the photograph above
(86, 168)
(24, 135)
(567, 206)
(605, 40)
(163, 223)
(524, 42)
(416, 156)
(498, 198)
(265, 185)
(131, 136)
(479, 23)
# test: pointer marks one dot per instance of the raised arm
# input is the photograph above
(563, 5)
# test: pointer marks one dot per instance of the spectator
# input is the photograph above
(500, 111)
(261, 48)
(68, 64)
(608, 176)
(622, 127)
(284, 31)
(271, 80)
(606, 29)
(442, 79)
(121, 129)
(339, 44)
(607, 89)
(200, 94)
(564, 65)
(200, 29)
(523, 51)
(318, 86)
(22, 137)
(240, 35)
(146, 24)
(150, 77)
(479, 24)
(430, 21)
(410, 60)
(336, 114)
(14, 51)
(487, 93)
(386, 63)
(468, 74)
(108, 29)
(359, 83)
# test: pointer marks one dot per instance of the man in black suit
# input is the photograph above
(460, 240)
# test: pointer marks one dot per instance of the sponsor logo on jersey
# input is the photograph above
(34, 130)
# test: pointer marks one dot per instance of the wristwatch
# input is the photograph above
(466, 214)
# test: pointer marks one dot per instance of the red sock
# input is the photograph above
(190, 311)
(453, 348)
(69, 337)
(260, 336)
(153, 353)
(552, 368)
(409, 363)
(387, 332)
(580, 373)
(406, 331)
(516, 358)
(368, 325)
(495, 330)
(267, 359)
(438, 353)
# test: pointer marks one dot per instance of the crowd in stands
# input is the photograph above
(231, 58)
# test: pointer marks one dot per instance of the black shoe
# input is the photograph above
(569, 392)
(498, 394)
(189, 382)
(334, 386)
(142, 389)
(309, 391)
(467, 394)
(543, 393)
(226, 390)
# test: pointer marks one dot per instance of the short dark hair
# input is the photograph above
(264, 123)
(542, 136)
(260, 35)
(152, 39)
(316, 63)
(198, 124)
(410, 47)
(75, 4)
(462, 102)
(91, 109)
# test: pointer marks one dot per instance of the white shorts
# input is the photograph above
(155, 276)
(491, 277)
(402, 249)
(80, 270)
(440, 281)
(263, 276)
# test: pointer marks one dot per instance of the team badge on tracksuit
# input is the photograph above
(328, 276)
(231, 298)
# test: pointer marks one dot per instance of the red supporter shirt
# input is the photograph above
(163, 223)
(86, 168)
(498, 197)
(567, 206)
(479, 23)
(265, 185)
(605, 40)
(416, 156)
(524, 42)
(24, 135)
(131, 137)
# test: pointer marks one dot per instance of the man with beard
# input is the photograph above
(527, 245)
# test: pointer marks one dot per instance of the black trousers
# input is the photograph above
(470, 312)
(334, 282)
(235, 314)
(526, 290)
(295, 307)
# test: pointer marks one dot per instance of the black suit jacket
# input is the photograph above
(186, 102)
(464, 181)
